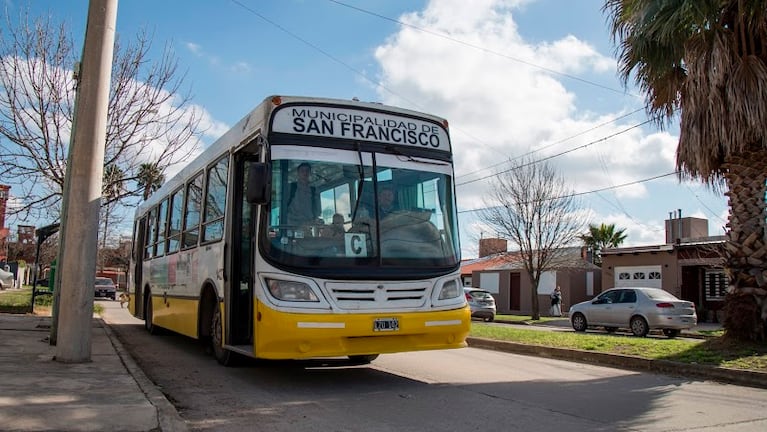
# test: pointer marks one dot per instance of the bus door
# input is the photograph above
(240, 298)
(138, 264)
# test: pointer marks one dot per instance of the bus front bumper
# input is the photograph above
(282, 335)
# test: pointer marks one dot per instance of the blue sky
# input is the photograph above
(511, 76)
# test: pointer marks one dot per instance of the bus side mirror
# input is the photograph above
(259, 183)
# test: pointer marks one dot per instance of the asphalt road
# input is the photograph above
(453, 390)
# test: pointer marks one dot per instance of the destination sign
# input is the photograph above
(360, 125)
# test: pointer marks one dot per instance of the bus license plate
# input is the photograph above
(386, 324)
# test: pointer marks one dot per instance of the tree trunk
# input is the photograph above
(745, 247)
(535, 314)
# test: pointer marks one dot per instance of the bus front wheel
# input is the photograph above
(222, 355)
(362, 359)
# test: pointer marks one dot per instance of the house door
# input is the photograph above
(691, 285)
(514, 292)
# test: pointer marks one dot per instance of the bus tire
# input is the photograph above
(149, 315)
(222, 355)
(362, 359)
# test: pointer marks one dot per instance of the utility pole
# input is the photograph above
(76, 268)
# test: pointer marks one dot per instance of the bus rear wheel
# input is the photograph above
(222, 355)
(149, 315)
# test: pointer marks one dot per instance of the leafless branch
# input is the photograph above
(532, 206)
(150, 119)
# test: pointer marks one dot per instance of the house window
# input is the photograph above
(715, 285)
(639, 275)
(653, 275)
(624, 276)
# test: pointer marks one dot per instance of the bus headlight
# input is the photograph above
(291, 291)
(450, 289)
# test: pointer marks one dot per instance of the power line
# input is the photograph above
(558, 154)
(697, 197)
(381, 85)
(589, 192)
(555, 142)
(320, 50)
(623, 210)
(489, 51)
(480, 48)
(347, 66)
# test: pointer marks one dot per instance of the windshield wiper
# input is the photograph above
(410, 158)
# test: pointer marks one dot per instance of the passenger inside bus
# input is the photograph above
(386, 201)
(336, 228)
(303, 199)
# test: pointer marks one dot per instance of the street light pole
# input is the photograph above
(82, 196)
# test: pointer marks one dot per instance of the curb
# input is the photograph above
(729, 376)
(168, 417)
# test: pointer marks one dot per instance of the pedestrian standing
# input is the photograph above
(556, 302)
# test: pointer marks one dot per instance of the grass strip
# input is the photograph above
(717, 351)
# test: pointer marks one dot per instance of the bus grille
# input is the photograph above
(369, 296)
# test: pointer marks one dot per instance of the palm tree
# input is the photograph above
(601, 237)
(112, 189)
(707, 60)
(150, 178)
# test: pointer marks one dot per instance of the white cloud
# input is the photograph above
(505, 97)
(572, 55)
(194, 48)
(239, 67)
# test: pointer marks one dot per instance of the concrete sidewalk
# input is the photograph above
(110, 393)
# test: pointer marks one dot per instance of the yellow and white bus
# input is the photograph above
(242, 252)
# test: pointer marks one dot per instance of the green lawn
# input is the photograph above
(712, 351)
(716, 351)
(18, 300)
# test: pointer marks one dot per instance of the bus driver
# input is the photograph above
(303, 200)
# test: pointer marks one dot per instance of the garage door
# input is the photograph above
(648, 276)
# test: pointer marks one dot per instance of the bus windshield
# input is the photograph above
(342, 208)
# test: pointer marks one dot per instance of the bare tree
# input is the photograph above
(149, 120)
(532, 206)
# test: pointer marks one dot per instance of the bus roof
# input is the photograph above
(245, 130)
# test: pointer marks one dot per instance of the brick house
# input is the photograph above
(502, 273)
(688, 265)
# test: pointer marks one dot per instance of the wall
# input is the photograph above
(572, 282)
(575, 287)
(670, 272)
(685, 228)
(490, 246)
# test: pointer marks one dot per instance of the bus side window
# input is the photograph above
(151, 234)
(162, 226)
(215, 201)
(176, 215)
(192, 212)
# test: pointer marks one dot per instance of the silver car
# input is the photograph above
(481, 302)
(637, 308)
(7, 280)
